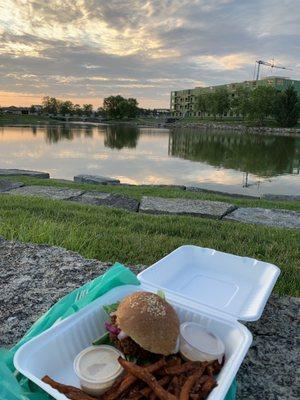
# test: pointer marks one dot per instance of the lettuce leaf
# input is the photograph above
(109, 308)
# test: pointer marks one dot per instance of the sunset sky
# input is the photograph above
(85, 50)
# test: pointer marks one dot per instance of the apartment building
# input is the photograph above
(184, 102)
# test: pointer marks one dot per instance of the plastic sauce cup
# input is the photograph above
(198, 344)
(97, 368)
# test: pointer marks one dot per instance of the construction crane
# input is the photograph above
(268, 64)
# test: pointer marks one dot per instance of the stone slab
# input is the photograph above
(198, 208)
(234, 195)
(96, 179)
(6, 185)
(108, 199)
(126, 203)
(24, 172)
(263, 216)
(161, 186)
(91, 197)
(34, 277)
(49, 192)
(282, 197)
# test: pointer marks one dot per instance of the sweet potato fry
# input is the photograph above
(207, 387)
(70, 392)
(116, 391)
(148, 378)
(185, 367)
(190, 382)
(152, 396)
(147, 390)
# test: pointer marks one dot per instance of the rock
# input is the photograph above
(96, 179)
(199, 208)
(50, 192)
(33, 278)
(234, 195)
(91, 197)
(269, 371)
(24, 172)
(119, 201)
(6, 185)
(282, 197)
(181, 187)
(107, 199)
(272, 217)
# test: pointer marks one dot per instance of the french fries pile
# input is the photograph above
(165, 379)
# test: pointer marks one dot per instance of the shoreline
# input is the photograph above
(215, 127)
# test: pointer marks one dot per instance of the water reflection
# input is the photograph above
(219, 161)
(119, 136)
(56, 133)
(264, 156)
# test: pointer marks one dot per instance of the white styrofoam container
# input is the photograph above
(205, 286)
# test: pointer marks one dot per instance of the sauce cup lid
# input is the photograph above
(201, 339)
(98, 364)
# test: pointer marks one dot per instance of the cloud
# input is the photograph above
(88, 49)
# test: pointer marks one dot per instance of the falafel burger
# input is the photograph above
(144, 323)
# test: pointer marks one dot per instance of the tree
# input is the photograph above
(65, 107)
(240, 104)
(77, 109)
(32, 109)
(222, 103)
(201, 104)
(118, 107)
(211, 106)
(129, 108)
(262, 104)
(287, 107)
(217, 102)
(87, 109)
(50, 105)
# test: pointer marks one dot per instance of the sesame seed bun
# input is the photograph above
(150, 321)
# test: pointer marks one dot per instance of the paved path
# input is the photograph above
(158, 205)
(34, 277)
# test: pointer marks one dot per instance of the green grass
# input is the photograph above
(138, 191)
(133, 238)
(9, 119)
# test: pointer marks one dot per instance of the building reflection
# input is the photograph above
(261, 155)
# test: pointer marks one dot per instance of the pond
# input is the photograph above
(233, 162)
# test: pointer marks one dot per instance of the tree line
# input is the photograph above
(51, 105)
(114, 107)
(258, 105)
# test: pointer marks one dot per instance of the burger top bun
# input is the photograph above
(150, 321)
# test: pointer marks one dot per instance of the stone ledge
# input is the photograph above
(108, 199)
(49, 192)
(7, 185)
(24, 172)
(198, 208)
(96, 180)
(263, 216)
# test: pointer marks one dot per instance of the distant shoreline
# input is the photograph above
(215, 127)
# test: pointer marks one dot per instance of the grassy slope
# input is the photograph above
(139, 191)
(115, 235)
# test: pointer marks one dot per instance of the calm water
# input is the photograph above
(232, 162)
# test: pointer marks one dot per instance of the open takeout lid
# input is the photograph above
(196, 276)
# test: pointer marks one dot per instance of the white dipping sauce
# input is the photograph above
(97, 368)
(198, 344)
